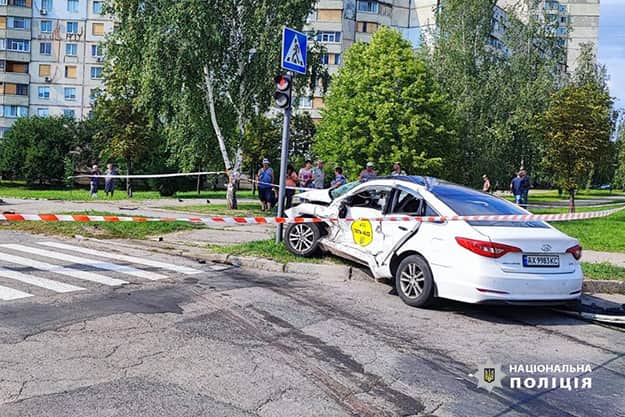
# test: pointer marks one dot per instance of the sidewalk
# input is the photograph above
(614, 258)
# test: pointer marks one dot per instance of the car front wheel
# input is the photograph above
(302, 238)
(414, 282)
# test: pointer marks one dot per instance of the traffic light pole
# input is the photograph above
(284, 155)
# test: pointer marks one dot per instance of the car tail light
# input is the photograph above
(484, 248)
(576, 251)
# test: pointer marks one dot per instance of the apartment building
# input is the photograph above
(51, 59)
(339, 23)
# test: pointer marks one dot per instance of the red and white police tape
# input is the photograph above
(84, 218)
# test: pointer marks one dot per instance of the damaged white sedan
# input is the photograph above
(469, 261)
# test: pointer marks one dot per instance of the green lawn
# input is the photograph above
(269, 249)
(244, 210)
(547, 196)
(100, 230)
(20, 190)
(603, 271)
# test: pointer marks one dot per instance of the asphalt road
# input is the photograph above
(209, 341)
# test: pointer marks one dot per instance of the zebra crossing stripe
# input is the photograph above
(87, 262)
(102, 254)
(48, 284)
(58, 269)
(8, 294)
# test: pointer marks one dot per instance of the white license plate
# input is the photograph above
(545, 261)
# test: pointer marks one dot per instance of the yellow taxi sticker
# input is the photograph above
(362, 232)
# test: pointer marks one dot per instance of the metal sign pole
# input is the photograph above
(284, 155)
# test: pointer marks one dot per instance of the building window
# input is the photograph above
(19, 3)
(46, 26)
(366, 27)
(21, 90)
(45, 48)
(96, 51)
(3, 130)
(561, 31)
(69, 113)
(15, 111)
(96, 73)
(70, 93)
(71, 49)
(72, 6)
(18, 45)
(71, 71)
(2, 63)
(44, 70)
(18, 22)
(43, 112)
(305, 102)
(325, 58)
(329, 37)
(72, 27)
(329, 15)
(46, 5)
(43, 93)
(337, 59)
(367, 6)
(97, 7)
(97, 29)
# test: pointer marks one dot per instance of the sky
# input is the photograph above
(612, 46)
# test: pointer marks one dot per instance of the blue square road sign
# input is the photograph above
(294, 50)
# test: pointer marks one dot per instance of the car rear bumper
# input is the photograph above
(493, 287)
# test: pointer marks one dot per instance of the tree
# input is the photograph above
(35, 148)
(126, 132)
(576, 126)
(499, 73)
(619, 174)
(216, 58)
(385, 105)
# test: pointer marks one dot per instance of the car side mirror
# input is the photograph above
(342, 210)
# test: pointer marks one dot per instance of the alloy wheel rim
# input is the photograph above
(412, 281)
(301, 238)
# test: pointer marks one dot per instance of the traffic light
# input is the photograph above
(284, 87)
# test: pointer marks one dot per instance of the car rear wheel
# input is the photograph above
(414, 282)
(302, 238)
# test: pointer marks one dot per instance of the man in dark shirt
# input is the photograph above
(520, 187)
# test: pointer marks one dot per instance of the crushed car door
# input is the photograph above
(363, 237)
(404, 202)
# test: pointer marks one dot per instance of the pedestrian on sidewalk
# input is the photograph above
(109, 181)
(319, 176)
(519, 187)
(291, 181)
(397, 171)
(306, 175)
(93, 181)
(486, 187)
(339, 178)
(265, 185)
(367, 173)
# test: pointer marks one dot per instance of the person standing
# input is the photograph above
(397, 171)
(367, 173)
(109, 180)
(93, 181)
(339, 178)
(486, 187)
(516, 186)
(265, 183)
(319, 176)
(291, 181)
(306, 175)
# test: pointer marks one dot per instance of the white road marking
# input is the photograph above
(38, 282)
(89, 262)
(58, 269)
(8, 294)
(132, 259)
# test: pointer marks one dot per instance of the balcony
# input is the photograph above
(14, 77)
(15, 56)
(12, 100)
(15, 33)
(16, 11)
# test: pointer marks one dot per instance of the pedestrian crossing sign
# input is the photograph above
(293, 50)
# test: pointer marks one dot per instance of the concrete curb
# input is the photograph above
(345, 272)
(604, 286)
